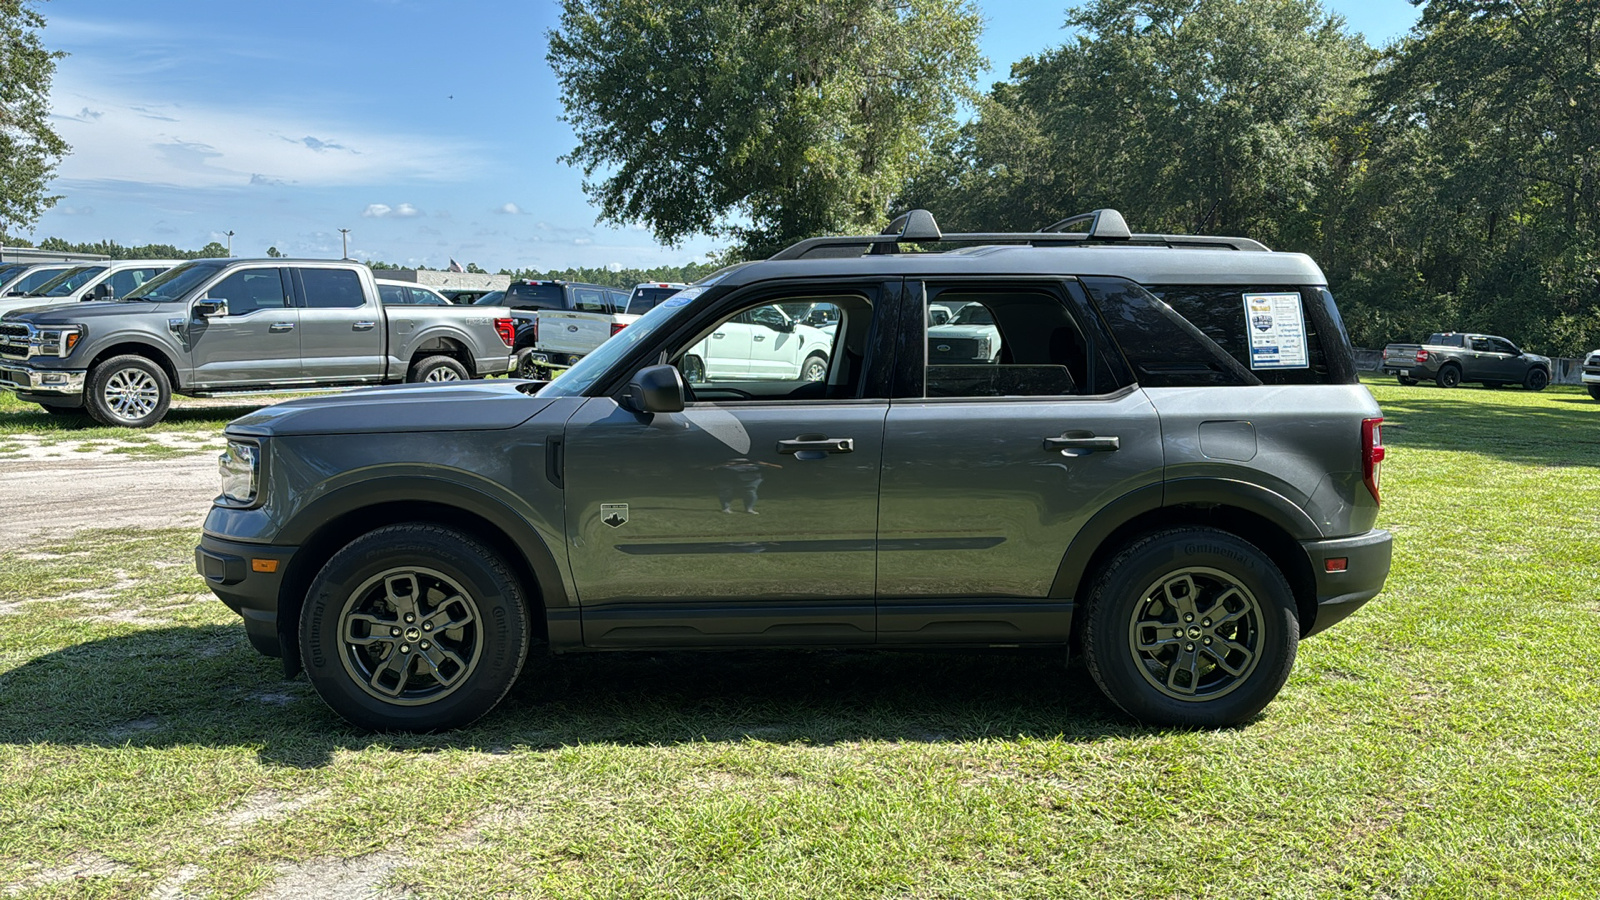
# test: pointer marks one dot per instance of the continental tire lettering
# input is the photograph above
(1217, 550)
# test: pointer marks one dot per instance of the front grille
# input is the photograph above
(14, 341)
(942, 349)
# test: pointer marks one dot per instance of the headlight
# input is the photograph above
(983, 348)
(239, 465)
(58, 341)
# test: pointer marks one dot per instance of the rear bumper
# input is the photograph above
(495, 365)
(1366, 568)
(232, 571)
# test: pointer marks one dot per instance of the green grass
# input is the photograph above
(1443, 742)
(25, 426)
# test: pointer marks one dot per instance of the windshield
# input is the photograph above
(34, 280)
(68, 281)
(174, 283)
(574, 381)
(9, 269)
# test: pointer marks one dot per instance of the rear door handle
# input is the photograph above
(717, 335)
(363, 326)
(1086, 443)
(759, 337)
(824, 445)
(281, 326)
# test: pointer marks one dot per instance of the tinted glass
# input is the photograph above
(1009, 343)
(1162, 347)
(393, 294)
(10, 269)
(589, 300)
(34, 280)
(332, 289)
(1219, 314)
(69, 281)
(530, 296)
(646, 299)
(129, 280)
(175, 282)
(425, 297)
(249, 290)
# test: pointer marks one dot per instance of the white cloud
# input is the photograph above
(376, 211)
(118, 137)
(508, 209)
(406, 211)
(385, 211)
(582, 241)
(614, 267)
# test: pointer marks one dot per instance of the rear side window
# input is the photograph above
(590, 300)
(1219, 312)
(1008, 343)
(1163, 348)
(393, 294)
(332, 289)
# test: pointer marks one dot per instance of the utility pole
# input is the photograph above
(230, 243)
(344, 235)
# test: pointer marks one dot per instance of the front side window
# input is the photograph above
(249, 290)
(332, 289)
(773, 351)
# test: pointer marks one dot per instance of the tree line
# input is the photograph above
(1445, 181)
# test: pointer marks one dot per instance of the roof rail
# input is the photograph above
(919, 227)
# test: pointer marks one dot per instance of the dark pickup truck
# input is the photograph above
(1450, 358)
(219, 326)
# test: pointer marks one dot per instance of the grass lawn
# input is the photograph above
(1443, 742)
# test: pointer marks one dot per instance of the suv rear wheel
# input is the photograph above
(1191, 627)
(413, 627)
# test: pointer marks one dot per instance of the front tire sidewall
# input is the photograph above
(1118, 592)
(1448, 377)
(121, 370)
(429, 365)
(504, 632)
(1537, 380)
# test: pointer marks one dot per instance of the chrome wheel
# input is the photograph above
(816, 369)
(131, 394)
(442, 373)
(410, 636)
(1196, 634)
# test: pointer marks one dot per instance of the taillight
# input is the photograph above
(618, 326)
(1372, 454)
(507, 330)
(1422, 356)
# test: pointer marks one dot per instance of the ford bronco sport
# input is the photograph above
(1164, 460)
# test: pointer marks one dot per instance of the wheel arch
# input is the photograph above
(442, 342)
(151, 352)
(1266, 519)
(345, 515)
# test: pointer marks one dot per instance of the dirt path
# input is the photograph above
(46, 500)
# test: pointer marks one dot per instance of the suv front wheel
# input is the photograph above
(414, 627)
(1191, 627)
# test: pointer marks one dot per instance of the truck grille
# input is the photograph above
(14, 341)
(945, 350)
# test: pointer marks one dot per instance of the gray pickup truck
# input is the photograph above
(1450, 358)
(221, 326)
(1170, 464)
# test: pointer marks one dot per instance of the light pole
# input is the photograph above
(344, 236)
(230, 243)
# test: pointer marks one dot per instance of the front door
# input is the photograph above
(257, 342)
(750, 517)
(994, 463)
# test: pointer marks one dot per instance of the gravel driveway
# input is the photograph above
(42, 500)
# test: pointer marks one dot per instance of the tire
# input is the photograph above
(693, 369)
(1537, 380)
(1407, 380)
(129, 391)
(1163, 678)
(528, 368)
(372, 586)
(815, 368)
(1594, 391)
(436, 368)
(1448, 377)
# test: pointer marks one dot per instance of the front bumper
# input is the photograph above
(234, 572)
(1366, 568)
(31, 382)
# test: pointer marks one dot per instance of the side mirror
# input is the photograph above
(655, 389)
(103, 291)
(208, 309)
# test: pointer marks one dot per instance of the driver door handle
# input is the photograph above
(363, 326)
(825, 445)
(280, 327)
(1087, 443)
(759, 337)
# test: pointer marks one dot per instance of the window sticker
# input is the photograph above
(1277, 328)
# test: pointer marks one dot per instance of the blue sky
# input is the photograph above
(430, 130)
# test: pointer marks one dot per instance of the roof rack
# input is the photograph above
(1106, 227)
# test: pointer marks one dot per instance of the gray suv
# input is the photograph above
(1164, 461)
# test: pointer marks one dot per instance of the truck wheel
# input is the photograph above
(1191, 627)
(1407, 380)
(530, 369)
(1537, 380)
(436, 368)
(1449, 376)
(130, 391)
(693, 369)
(815, 368)
(413, 627)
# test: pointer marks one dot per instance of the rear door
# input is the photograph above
(991, 466)
(341, 328)
(258, 341)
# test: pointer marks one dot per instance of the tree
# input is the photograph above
(213, 250)
(29, 147)
(763, 121)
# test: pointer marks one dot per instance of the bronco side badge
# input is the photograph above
(614, 514)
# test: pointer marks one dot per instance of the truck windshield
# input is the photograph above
(68, 281)
(174, 283)
(574, 381)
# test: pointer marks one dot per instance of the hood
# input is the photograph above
(66, 312)
(439, 406)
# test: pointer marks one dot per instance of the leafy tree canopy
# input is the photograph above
(29, 147)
